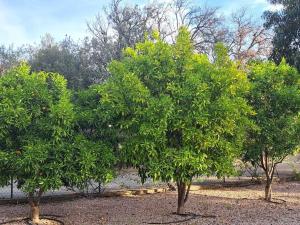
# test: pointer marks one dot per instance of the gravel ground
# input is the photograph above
(219, 206)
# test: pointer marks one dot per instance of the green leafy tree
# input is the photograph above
(286, 26)
(87, 163)
(175, 114)
(36, 116)
(92, 132)
(66, 57)
(275, 97)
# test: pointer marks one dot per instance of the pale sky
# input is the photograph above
(25, 21)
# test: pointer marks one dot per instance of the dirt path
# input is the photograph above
(222, 206)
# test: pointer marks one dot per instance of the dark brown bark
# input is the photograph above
(183, 190)
(181, 195)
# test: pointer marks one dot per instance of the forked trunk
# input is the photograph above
(183, 192)
(35, 214)
(268, 191)
(269, 167)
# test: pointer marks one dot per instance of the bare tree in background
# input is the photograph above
(247, 39)
(123, 26)
(117, 28)
(206, 26)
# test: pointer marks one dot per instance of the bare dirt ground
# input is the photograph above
(239, 205)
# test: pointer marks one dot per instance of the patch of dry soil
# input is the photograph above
(218, 206)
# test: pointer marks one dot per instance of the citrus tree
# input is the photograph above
(275, 97)
(36, 116)
(92, 158)
(175, 114)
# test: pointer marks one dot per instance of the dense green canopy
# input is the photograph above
(175, 114)
(39, 146)
(36, 116)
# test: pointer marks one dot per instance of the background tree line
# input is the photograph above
(118, 26)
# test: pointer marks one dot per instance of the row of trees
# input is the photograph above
(170, 112)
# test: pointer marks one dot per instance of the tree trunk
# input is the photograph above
(183, 192)
(269, 167)
(268, 190)
(34, 202)
(35, 214)
(180, 209)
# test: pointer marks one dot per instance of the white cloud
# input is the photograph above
(275, 8)
(267, 5)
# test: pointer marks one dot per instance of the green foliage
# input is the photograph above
(92, 146)
(176, 114)
(88, 161)
(36, 116)
(39, 145)
(67, 58)
(275, 97)
(5, 164)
